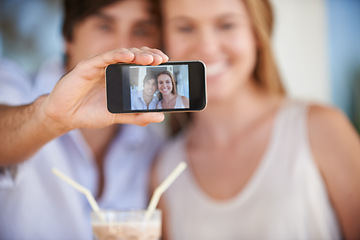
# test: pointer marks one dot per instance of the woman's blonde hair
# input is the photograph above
(266, 72)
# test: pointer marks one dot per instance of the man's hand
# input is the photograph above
(78, 100)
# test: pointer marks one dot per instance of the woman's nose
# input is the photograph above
(208, 44)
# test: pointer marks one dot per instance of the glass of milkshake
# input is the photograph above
(126, 225)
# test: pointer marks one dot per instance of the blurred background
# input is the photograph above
(316, 43)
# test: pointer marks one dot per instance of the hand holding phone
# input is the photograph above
(168, 87)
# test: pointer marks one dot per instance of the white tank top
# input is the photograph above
(178, 104)
(285, 198)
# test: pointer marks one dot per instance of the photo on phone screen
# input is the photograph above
(173, 86)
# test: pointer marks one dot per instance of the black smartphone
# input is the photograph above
(169, 87)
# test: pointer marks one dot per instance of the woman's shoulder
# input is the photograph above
(319, 116)
(324, 120)
(183, 98)
(328, 126)
(336, 150)
(185, 101)
(333, 139)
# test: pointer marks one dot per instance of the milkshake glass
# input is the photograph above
(126, 225)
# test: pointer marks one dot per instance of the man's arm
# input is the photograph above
(23, 130)
(77, 101)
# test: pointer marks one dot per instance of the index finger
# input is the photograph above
(103, 60)
(164, 57)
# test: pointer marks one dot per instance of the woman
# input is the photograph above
(169, 99)
(260, 165)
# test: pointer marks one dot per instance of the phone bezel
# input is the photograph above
(197, 89)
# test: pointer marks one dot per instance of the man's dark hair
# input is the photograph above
(77, 10)
(148, 77)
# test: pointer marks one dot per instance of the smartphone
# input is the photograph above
(170, 87)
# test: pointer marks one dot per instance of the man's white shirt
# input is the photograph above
(138, 102)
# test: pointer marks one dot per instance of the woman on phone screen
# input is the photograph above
(260, 165)
(169, 99)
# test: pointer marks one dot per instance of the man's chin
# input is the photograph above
(149, 95)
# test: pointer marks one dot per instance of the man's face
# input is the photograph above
(150, 87)
(123, 24)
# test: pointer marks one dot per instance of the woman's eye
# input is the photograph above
(227, 26)
(185, 29)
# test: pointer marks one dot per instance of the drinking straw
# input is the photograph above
(162, 188)
(78, 187)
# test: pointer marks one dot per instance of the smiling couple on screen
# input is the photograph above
(165, 83)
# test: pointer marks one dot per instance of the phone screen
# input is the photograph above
(174, 86)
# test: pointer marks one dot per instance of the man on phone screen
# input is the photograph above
(64, 124)
(145, 99)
